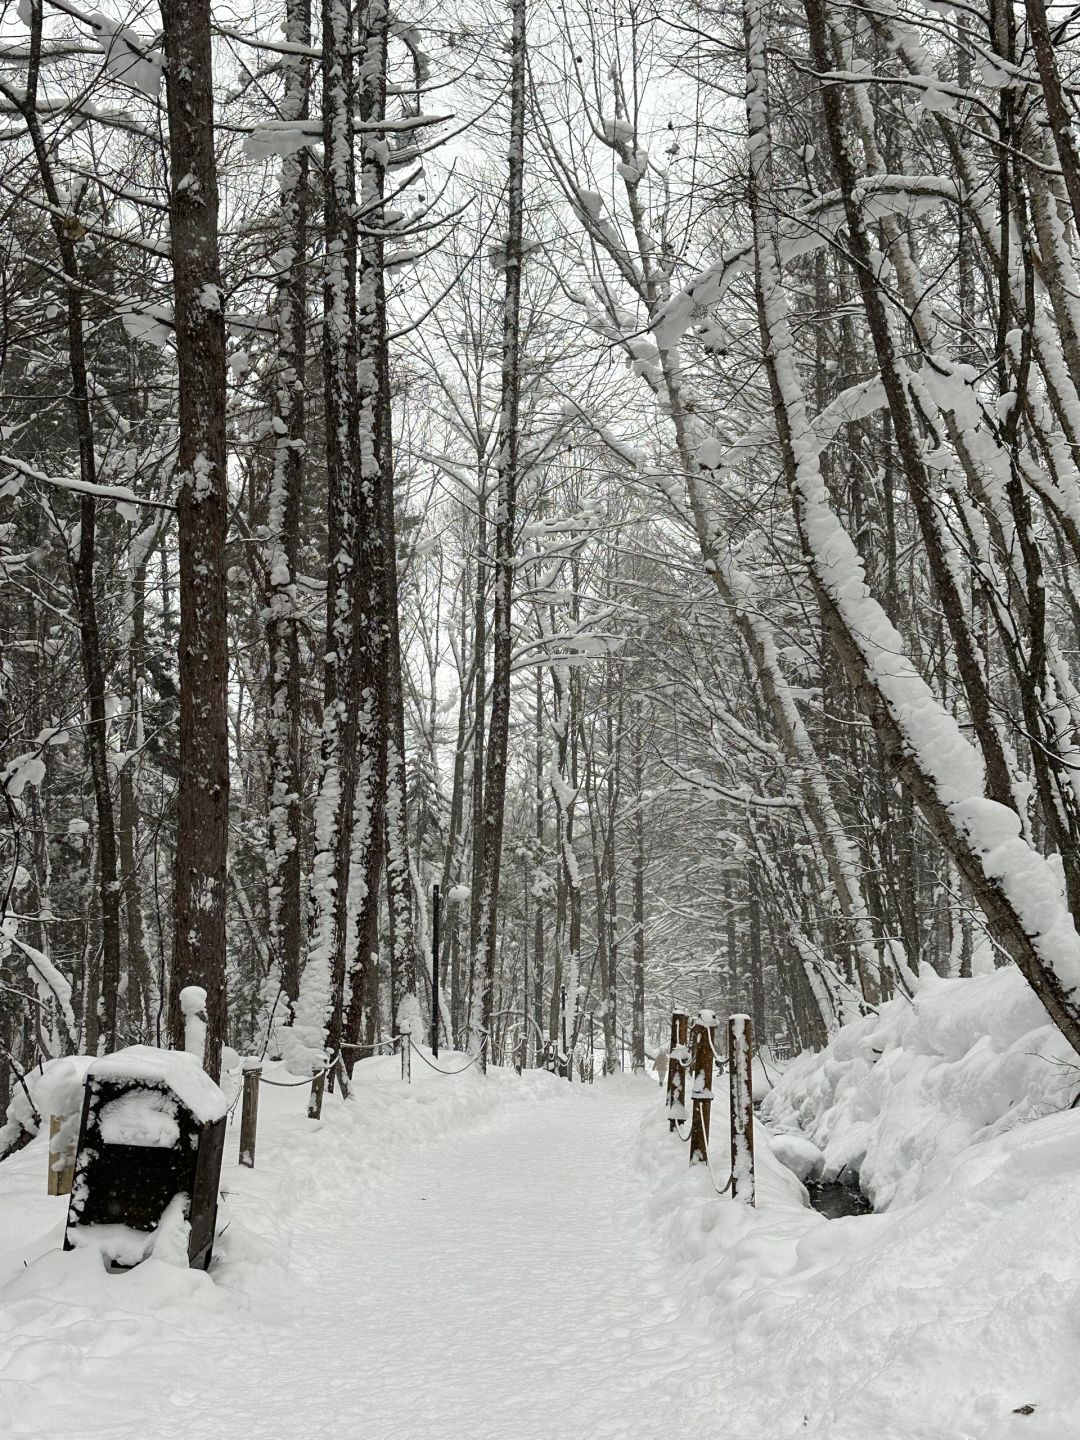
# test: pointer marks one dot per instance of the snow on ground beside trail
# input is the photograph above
(469, 1257)
(896, 1096)
(939, 1320)
(65, 1322)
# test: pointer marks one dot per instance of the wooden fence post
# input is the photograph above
(405, 1041)
(740, 1069)
(678, 1058)
(318, 1083)
(249, 1111)
(60, 1180)
(435, 916)
(701, 1050)
(566, 1068)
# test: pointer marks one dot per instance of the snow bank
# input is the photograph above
(895, 1097)
(952, 1318)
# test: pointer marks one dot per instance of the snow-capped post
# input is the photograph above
(741, 1080)
(405, 1041)
(193, 1006)
(565, 1067)
(318, 1083)
(435, 971)
(249, 1110)
(61, 1156)
(701, 1049)
(678, 1059)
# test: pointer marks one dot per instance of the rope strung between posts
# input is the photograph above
(292, 1084)
(721, 1059)
(682, 1137)
(712, 1172)
(438, 1069)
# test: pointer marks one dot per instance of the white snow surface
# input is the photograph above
(140, 1117)
(175, 1070)
(469, 1258)
(895, 1097)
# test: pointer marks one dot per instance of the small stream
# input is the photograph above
(835, 1199)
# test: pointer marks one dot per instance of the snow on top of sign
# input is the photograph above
(146, 1118)
(174, 1069)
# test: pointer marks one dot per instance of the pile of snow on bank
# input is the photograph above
(895, 1097)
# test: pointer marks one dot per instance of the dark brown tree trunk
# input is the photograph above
(203, 791)
(284, 865)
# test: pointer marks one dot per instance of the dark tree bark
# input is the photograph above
(202, 505)
(284, 855)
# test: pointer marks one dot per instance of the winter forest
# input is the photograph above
(614, 465)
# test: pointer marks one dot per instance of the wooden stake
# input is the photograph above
(60, 1180)
(318, 1082)
(740, 1071)
(405, 1040)
(701, 1048)
(249, 1111)
(678, 1059)
(435, 971)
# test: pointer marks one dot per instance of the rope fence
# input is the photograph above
(693, 1050)
(293, 1084)
(438, 1068)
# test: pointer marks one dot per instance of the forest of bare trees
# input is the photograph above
(615, 463)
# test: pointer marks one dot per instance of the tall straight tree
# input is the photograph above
(83, 557)
(283, 862)
(505, 519)
(202, 507)
(374, 550)
(319, 1013)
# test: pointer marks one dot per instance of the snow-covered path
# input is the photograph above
(518, 1277)
(496, 1280)
(468, 1258)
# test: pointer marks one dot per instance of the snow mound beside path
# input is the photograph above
(954, 1317)
(895, 1097)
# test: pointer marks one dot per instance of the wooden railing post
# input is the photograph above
(61, 1161)
(740, 1070)
(249, 1110)
(435, 915)
(318, 1083)
(566, 1068)
(678, 1059)
(405, 1041)
(701, 1052)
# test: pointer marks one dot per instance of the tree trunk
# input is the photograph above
(202, 506)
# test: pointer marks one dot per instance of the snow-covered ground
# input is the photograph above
(898, 1095)
(472, 1257)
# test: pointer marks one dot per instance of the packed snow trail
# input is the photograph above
(470, 1258)
(497, 1280)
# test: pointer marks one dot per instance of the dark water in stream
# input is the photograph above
(835, 1199)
